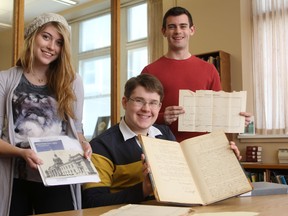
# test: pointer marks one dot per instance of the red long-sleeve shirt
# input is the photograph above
(192, 74)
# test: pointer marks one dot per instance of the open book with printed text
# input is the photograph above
(63, 161)
(200, 170)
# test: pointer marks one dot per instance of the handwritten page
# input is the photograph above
(207, 111)
(171, 173)
(199, 170)
(215, 166)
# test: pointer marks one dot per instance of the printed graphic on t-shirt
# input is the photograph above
(34, 115)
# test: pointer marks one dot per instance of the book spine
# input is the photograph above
(282, 179)
(253, 152)
(254, 177)
(253, 148)
(253, 157)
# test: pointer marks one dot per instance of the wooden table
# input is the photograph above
(264, 205)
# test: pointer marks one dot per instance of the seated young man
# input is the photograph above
(117, 154)
(117, 151)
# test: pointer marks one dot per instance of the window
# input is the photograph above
(94, 68)
(136, 62)
(97, 27)
(93, 56)
(136, 42)
(270, 68)
(137, 28)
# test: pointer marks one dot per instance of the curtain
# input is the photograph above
(270, 57)
(155, 37)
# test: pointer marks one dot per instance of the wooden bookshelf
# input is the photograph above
(221, 61)
(264, 167)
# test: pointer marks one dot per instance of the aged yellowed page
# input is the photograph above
(207, 111)
(170, 172)
(149, 210)
(217, 170)
(199, 170)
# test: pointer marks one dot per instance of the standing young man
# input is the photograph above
(178, 69)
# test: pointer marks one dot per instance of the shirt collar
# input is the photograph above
(128, 133)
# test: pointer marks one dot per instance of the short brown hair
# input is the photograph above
(177, 11)
(149, 82)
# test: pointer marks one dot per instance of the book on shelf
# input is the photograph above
(254, 153)
(254, 148)
(253, 158)
(279, 176)
(266, 188)
(199, 170)
(256, 176)
(63, 161)
(281, 179)
(258, 160)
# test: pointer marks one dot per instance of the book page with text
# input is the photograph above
(171, 174)
(207, 110)
(216, 170)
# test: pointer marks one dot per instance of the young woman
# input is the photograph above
(41, 96)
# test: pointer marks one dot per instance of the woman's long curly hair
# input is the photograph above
(61, 73)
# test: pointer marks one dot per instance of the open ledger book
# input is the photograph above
(63, 161)
(200, 170)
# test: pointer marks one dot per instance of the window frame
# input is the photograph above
(124, 46)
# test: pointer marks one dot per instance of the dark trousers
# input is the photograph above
(35, 198)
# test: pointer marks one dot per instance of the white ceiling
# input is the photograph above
(32, 9)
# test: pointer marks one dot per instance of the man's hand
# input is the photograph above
(247, 117)
(147, 186)
(236, 150)
(172, 113)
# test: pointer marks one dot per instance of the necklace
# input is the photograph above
(40, 80)
(37, 79)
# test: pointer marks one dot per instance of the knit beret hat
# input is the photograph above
(43, 19)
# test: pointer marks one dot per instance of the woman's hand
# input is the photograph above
(31, 158)
(87, 149)
(85, 146)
